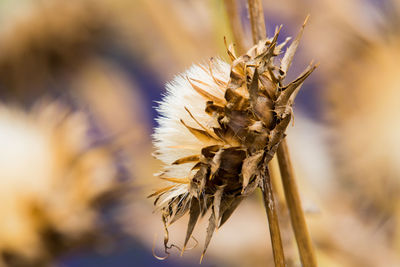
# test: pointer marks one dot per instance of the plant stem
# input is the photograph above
(257, 21)
(303, 239)
(270, 207)
(235, 25)
(289, 184)
(276, 182)
(258, 32)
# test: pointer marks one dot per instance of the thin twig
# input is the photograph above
(303, 239)
(235, 25)
(258, 32)
(257, 21)
(276, 182)
(283, 213)
(270, 207)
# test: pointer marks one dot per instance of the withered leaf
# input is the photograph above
(194, 213)
(236, 78)
(213, 109)
(265, 56)
(279, 47)
(217, 202)
(230, 50)
(205, 204)
(196, 166)
(201, 125)
(289, 54)
(200, 81)
(238, 121)
(257, 126)
(206, 94)
(176, 180)
(263, 110)
(268, 87)
(215, 79)
(210, 232)
(276, 134)
(162, 190)
(181, 209)
(249, 167)
(253, 88)
(226, 202)
(287, 91)
(272, 75)
(228, 212)
(231, 159)
(201, 135)
(235, 99)
(188, 159)
(254, 183)
(209, 151)
(199, 180)
(215, 162)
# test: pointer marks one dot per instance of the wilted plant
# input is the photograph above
(220, 126)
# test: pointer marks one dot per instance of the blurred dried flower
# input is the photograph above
(366, 121)
(235, 128)
(51, 182)
(53, 38)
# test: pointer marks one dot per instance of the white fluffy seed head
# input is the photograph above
(171, 138)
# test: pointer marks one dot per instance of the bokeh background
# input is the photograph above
(79, 81)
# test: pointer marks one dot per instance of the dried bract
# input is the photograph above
(220, 126)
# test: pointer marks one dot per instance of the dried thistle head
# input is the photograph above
(51, 184)
(220, 126)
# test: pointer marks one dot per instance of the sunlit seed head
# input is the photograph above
(219, 126)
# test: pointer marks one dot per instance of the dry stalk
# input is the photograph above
(259, 33)
(270, 207)
(257, 22)
(235, 25)
(303, 239)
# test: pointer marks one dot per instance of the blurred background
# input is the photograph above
(79, 81)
